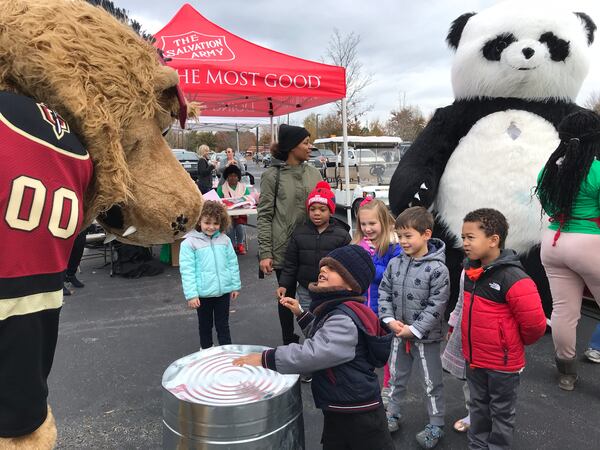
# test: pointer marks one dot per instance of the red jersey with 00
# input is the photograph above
(41, 202)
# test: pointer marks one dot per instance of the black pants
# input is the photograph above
(217, 308)
(492, 408)
(361, 431)
(286, 318)
(76, 254)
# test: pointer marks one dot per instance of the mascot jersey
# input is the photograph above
(41, 196)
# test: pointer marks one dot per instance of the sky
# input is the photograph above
(402, 41)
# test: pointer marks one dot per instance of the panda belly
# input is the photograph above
(496, 165)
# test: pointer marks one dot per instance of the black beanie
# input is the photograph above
(354, 264)
(233, 168)
(290, 136)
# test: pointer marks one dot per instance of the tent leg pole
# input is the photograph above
(346, 164)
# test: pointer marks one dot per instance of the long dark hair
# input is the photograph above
(570, 163)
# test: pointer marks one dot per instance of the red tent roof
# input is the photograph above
(234, 77)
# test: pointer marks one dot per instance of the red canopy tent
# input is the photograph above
(234, 77)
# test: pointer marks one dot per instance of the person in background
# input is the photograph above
(210, 275)
(73, 265)
(344, 343)
(284, 187)
(205, 169)
(413, 295)
(453, 360)
(569, 192)
(230, 159)
(234, 188)
(376, 235)
(504, 314)
(592, 353)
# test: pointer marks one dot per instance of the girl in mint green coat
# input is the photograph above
(210, 273)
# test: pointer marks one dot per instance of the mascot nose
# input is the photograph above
(528, 52)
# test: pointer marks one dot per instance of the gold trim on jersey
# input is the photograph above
(30, 304)
(41, 141)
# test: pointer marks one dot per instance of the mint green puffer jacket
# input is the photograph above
(208, 266)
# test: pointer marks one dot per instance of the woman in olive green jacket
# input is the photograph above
(284, 188)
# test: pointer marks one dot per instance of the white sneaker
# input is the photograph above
(593, 355)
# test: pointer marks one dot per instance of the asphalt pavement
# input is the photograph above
(117, 336)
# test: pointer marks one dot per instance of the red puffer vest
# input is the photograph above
(502, 312)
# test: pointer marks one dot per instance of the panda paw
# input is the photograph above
(421, 197)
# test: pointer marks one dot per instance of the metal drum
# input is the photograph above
(208, 403)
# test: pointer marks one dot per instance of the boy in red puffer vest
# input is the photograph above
(502, 312)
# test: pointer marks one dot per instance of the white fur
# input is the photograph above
(474, 76)
(495, 166)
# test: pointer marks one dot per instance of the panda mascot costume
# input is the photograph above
(516, 73)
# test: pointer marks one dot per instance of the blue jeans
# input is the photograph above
(595, 341)
(236, 233)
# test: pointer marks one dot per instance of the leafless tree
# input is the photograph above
(342, 50)
(593, 102)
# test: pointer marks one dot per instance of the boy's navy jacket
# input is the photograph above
(502, 312)
(344, 343)
(416, 291)
(306, 248)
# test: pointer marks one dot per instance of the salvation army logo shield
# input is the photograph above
(194, 46)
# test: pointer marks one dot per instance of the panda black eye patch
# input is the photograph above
(494, 47)
(559, 48)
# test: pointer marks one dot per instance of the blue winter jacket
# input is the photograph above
(381, 263)
(208, 266)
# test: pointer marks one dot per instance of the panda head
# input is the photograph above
(517, 50)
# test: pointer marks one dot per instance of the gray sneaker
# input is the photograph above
(430, 436)
(593, 355)
(393, 422)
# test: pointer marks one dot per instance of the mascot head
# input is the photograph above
(531, 51)
(110, 86)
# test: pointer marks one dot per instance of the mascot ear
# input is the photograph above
(589, 25)
(456, 30)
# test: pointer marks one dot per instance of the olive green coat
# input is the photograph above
(275, 225)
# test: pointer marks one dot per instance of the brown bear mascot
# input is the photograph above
(84, 102)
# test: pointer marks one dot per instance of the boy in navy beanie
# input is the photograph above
(345, 342)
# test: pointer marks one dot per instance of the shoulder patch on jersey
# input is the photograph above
(38, 122)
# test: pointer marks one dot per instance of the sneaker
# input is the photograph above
(430, 436)
(393, 422)
(593, 355)
(241, 249)
(66, 291)
(385, 396)
(74, 281)
(306, 378)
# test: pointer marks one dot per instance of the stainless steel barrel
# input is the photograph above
(208, 403)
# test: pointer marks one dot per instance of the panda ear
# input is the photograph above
(456, 30)
(589, 25)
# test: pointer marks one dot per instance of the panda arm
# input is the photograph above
(416, 178)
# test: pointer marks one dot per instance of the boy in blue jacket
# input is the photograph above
(210, 274)
(344, 343)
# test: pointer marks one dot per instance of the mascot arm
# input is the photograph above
(417, 176)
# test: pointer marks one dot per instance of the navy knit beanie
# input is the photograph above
(354, 264)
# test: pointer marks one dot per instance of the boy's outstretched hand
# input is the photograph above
(280, 292)
(292, 304)
(396, 326)
(252, 359)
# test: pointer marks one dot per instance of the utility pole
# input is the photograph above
(317, 130)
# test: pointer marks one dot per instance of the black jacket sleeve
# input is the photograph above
(204, 169)
(289, 274)
(416, 179)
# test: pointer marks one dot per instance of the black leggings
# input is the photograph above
(286, 318)
(217, 308)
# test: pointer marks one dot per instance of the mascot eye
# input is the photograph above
(558, 48)
(492, 50)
